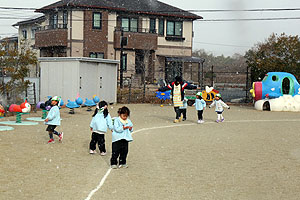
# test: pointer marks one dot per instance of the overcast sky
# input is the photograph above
(218, 38)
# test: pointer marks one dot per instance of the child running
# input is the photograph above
(219, 107)
(53, 120)
(120, 137)
(200, 105)
(99, 124)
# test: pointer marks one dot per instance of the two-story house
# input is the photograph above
(155, 35)
(26, 39)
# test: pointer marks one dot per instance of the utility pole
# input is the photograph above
(212, 76)
(247, 84)
(121, 58)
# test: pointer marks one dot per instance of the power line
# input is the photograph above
(202, 20)
(200, 10)
(250, 19)
(230, 45)
(247, 10)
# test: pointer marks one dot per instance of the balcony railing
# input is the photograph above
(136, 30)
(52, 26)
(140, 39)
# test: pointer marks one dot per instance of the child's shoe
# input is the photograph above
(123, 166)
(199, 121)
(51, 141)
(92, 151)
(183, 119)
(103, 153)
(217, 121)
(222, 120)
(61, 136)
(180, 119)
(114, 167)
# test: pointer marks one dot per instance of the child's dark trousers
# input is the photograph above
(98, 139)
(200, 114)
(119, 149)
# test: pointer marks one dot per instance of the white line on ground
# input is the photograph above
(100, 185)
(176, 125)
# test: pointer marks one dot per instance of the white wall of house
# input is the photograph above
(187, 34)
(112, 23)
(77, 25)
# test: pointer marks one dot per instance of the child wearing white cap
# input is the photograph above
(53, 120)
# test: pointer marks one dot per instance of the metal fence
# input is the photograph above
(233, 85)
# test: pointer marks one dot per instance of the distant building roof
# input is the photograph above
(31, 21)
(10, 39)
(149, 7)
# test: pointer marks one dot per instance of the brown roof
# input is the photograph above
(150, 7)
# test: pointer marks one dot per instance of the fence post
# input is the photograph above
(129, 93)
(34, 97)
(144, 91)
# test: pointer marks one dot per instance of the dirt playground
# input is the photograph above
(252, 155)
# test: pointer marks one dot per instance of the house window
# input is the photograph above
(97, 17)
(65, 19)
(33, 30)
(174, 28)
(24, 33)
(129, 24)
(161, 27)
(133, 25)
(152, 26)
(53, 21)
(96, 55)
(124, 62)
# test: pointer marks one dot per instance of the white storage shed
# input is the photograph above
(68, 76)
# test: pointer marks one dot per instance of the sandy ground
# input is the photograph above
(252, 155)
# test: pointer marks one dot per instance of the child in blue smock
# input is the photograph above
(53, 120)
(200, 105)
(99, 124)
(183, 109)
(121, 136)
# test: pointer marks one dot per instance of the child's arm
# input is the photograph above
(203, 103)
(51, 114)
(225, 105)
(118, 126)
(213, 103)
(109, 122)
(130, 125)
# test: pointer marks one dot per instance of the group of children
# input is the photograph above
(121, 128)
(200, 106)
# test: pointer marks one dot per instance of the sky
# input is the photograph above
(218, 38)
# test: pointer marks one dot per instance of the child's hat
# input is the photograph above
(55, 98)
(199, 94)
(218, 95)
